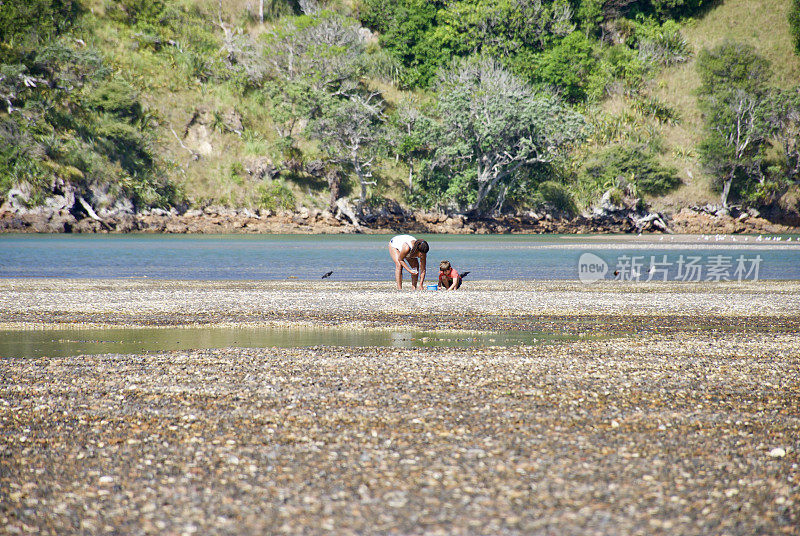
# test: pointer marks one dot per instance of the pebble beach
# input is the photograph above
(664, 408)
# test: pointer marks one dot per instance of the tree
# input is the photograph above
(350, 131)
(65, 122)
(500, 28)
(492, 125)
(733, 95)
(783, 111)
(291, 104)
(737, 122)
(325, 51)
(317, 65)
(407, 134)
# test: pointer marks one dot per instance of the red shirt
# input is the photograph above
(452, 274)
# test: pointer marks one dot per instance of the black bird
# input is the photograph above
(327, 275)
(465, 274)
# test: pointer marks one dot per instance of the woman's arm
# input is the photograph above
(403, 252)
(422, 263)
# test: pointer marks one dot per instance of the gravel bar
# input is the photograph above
(479, 304)
(685, 419)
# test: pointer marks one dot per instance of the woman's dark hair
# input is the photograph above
(422, 246)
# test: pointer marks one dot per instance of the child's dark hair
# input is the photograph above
(444, 266)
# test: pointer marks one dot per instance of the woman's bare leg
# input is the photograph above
(398, 268)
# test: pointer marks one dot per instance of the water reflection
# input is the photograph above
(68, 342)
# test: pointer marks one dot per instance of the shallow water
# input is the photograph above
(70, 342)
(366, 258)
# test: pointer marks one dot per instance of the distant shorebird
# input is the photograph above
(326, 274)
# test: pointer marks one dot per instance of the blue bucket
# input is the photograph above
(432, 287)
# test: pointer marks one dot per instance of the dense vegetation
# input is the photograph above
(470, 106)
(69, 125)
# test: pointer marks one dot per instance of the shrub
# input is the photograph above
(732, 65)
(116, 97)
(236, 173)
(125, 144)
(761, 194)
(616, 196)
(636, 162)
(275, 195)
(661, 44)
(20, 158)
(668, 9)
(16, 168)
(153, 190)
(622, 67)
(568, 66)
(590, 15)
(657, 109)
(67, 67)
(135, 11)
(555, 196)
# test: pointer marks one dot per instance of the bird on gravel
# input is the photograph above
(326, 274)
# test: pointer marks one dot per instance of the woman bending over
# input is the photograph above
(409, 253)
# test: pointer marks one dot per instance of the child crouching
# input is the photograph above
(448, 276)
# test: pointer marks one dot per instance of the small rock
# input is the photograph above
(777, 452)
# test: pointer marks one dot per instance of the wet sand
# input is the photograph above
(684, 420)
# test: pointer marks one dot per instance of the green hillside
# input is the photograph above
(763, 25)
(465, 106)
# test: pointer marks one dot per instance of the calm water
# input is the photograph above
(69, 342)
(366, 258)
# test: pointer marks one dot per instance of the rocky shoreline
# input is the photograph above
(220, 220)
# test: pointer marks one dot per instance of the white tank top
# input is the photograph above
(398, 241)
